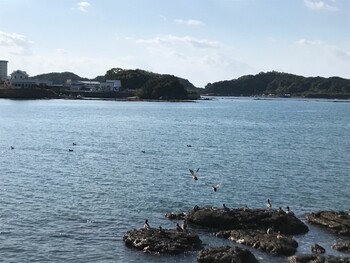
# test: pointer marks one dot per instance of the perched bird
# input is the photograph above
(194, 174)
(279, 235)
(288, 211)
(269, 231)
(146, 225)
(178, 227)
(160, 229)
(269, 205)
(225, 207)
(245, 208)
(184, 226)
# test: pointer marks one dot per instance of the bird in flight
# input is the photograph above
(215, 187)
(194, 174)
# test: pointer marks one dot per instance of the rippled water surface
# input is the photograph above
(61, 206)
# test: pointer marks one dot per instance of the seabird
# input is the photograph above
(70, 150)
(269, 205)
(12, 147)
(215, 187)
(74, 144)
(146, 225)
(225, 207)
(184, 226)
(279, 235)
(194, 174)
(269, 230)
(143, 151)
(179, 228)
(245, 208)
(189, 145)
(288, 211)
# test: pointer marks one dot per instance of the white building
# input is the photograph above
(111, 85)
(3, 70)
(19, 80)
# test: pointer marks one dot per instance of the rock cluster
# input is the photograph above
(226, 255)
(317, 259)
(228, 219)
(158, 241)
(338, 222)
(272, 243)
(343, 246)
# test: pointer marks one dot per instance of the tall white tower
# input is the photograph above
(3, 70)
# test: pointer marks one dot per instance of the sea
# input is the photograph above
(76, 175)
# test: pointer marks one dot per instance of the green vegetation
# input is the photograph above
(149, 85)
(58, 78)
(279, 84)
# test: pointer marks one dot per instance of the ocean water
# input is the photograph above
(62, 206)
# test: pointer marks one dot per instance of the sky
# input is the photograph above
(203, 41)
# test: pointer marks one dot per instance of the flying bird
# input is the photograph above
(194, 174)
(215, 187)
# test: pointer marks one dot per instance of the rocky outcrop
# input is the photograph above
(162, 241)
(229, 219)
(272, 243)
(317, 249)
(226, 255)
(337, 222)
(318, 259)
(342, 246)
(175, 215)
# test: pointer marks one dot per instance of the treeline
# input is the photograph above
(279, 84)
(149, 85)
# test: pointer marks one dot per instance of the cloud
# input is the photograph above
(83, 6)
(306, 42)
(319, 5)
(189, 22)
(172, 40)
(15, 43)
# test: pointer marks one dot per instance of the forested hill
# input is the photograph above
(58, 78)
(277, 83)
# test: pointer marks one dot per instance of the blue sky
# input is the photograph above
(201, 40)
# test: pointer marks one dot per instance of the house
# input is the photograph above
(111, 85)
(20, 79)
(94, 86)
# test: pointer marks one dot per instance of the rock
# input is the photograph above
(176, 216)
(317, 249)
(226, 255)
(228, 219)
(318, 259)
(162, 241)
(342, 246)
(337, 222)
(281, 245)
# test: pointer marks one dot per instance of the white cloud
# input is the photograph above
(14, 43)
(189, 22)
(306, 42)
(319, 5)
(171, 40)
(83, 6)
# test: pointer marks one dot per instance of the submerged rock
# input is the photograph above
(271, 243)
(318, 259)
(228, 219)
(162, 240)
(342, 246)
(337, 222)
(226, 255)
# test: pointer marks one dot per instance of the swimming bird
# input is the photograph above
(12, 147)
(70, 150)
(215, 187)
(146, 225)
(189, 145)
(143, 151)
(269, 205)
(74, 144)
(194, 174)
(178, 227)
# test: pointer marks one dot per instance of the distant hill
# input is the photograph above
(149, 85)
(277, 83)
(58, 78)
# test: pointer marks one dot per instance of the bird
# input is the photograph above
(225, 207)
(189, 145)
(279, 235)
(178, 227)
(184, 226)
(245, 208)
(288, 211)
(146, 225)
(269, 230)
(70, 150)
(74, 144)
(143, 151)
(269, 205)
(12, 147)
(194, 174)
(215, 187)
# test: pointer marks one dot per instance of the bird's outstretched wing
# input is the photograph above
(192, 172)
